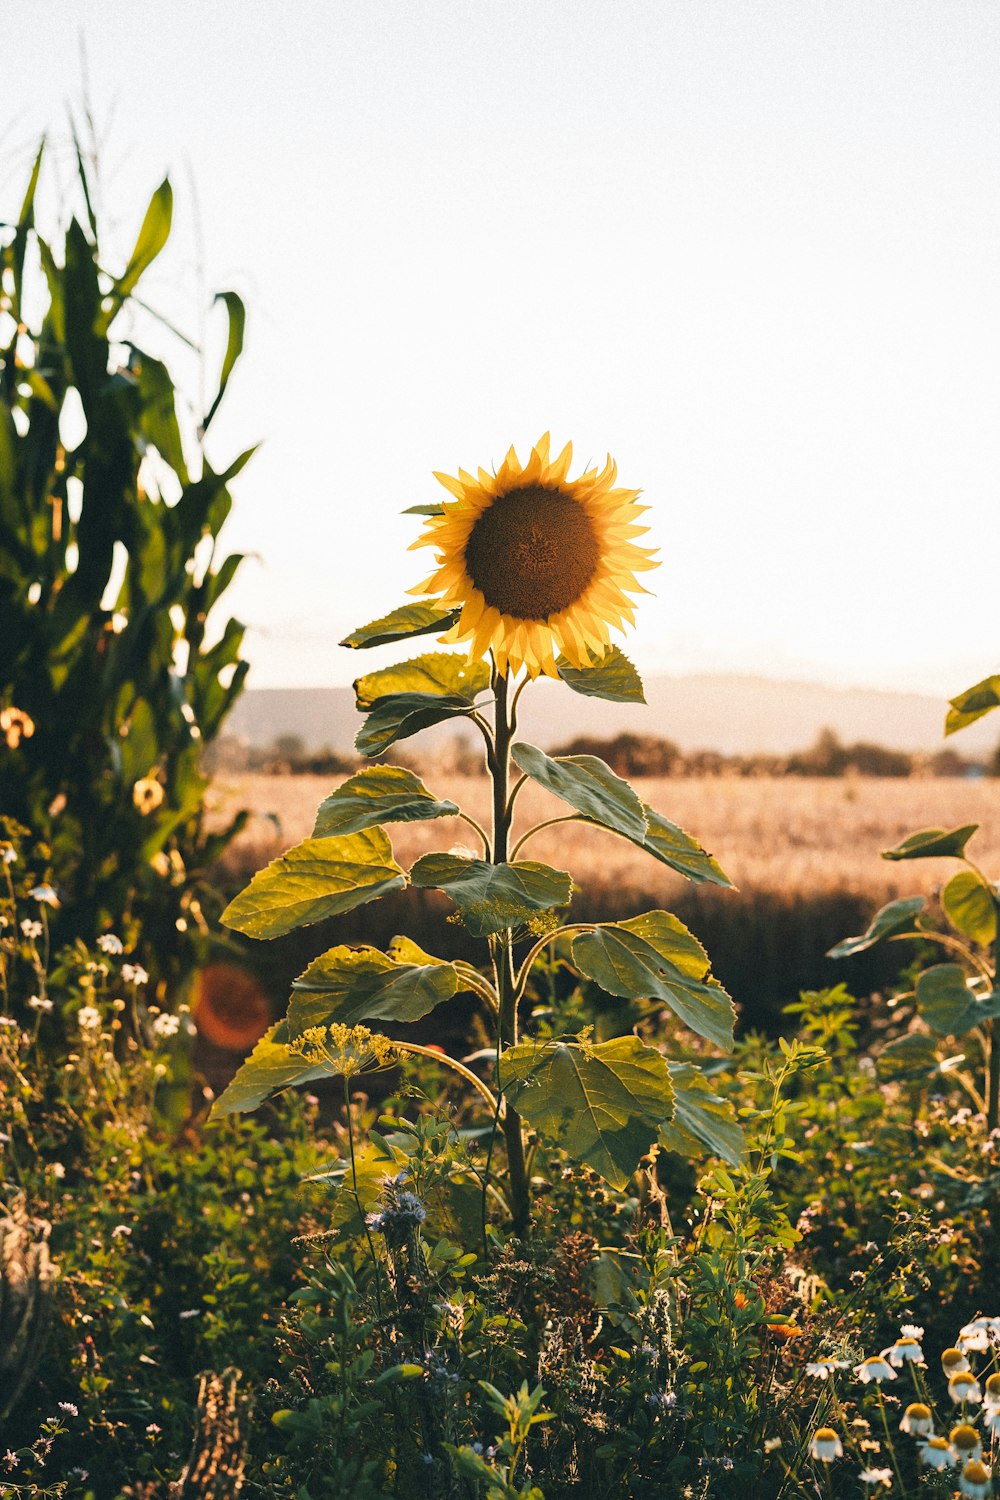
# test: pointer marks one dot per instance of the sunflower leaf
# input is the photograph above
(397, 716)
(317, 879)
(348, 985)
(490, 898)
(672, 846)
(973, 704)
(933, 843)
(587, 784)
(895, 917)
(970, 906)
(443, 673)
(402, 623)
(948, 1005)
(701, 1118)
(271, 1067)
(646, 958)
(602, 1105)
(423, 510)
(378, 794)
(613, 678)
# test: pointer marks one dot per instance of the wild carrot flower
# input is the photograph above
(976, 1480)
(825, 1446)
(964, 1387)
(917, 1420)
(936, 1453)
(876, 1367)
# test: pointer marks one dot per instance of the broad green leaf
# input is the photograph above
(970, 906)
(402, 623)
(896, 917)
(318, 879)
(445, 673)
(603, 1104)
(701, 1117)
(405, 951)
(672, 939)
(613, 677)
(348, 985)
(672, 846)
(378, 794)
(973, 704)
(641, 959)
(914, 1052)
(400, 715)
(947, 1003)
(152, 237)
(491, 898)
(933, 843)
(234, 346)
(587, 784)
(271, 1067)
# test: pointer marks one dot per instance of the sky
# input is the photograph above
(751, 248)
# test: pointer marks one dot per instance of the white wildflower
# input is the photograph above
(88, 1018)
(109, 943)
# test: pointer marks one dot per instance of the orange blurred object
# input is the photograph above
(229, 1007)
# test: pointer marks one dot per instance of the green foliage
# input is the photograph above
(613, 678)
(973, 704)
(378, 794)
(493, 898)
(110, 515)
(318, 878)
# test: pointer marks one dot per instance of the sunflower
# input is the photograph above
(538, 563)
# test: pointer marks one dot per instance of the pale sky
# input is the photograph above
(750, 247)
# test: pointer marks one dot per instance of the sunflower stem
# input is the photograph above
(506, 986)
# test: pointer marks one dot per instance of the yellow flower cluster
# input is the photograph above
(348, 1050)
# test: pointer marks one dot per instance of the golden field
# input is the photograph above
(793, 835)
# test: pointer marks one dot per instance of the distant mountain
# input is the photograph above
(731, 714)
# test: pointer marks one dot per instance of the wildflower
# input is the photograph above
(88, 1018)
(9, 855)
(31, 929)
(166, 1025)
(40, 1002)
(954, 1362)
(975, 1336)
(917, 1420)
(825, 1446)
(119, 1230)
(991, 1396)
(964, 1387)
(911, 1331)
(109, 943)
(991, 1418)
(147, 794)
(153, 1428)
(7, 1021)
(936, 1453)
(876, 1367)
(904, 1350)
(15, 726)
(134, 974)
(11, 1459)
(45, 896)
(772, 1444)
(348, 1049)
(875, 1476)
(58, 1170)
(976, 1480)
(537, 563)
(69, 1408)
(965, 1440)
(823, 1368)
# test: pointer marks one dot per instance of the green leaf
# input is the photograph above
(973, 704)
(613, 677)
(948, 1005)
(378, 794)
(913, 1052)
(153, 236)
(491, 898)
(587, 784)
(970, 906)
(348, 985)
(423, 510)
(933, 843)
(896, 917)
(400, 624)
(317, 879)
(646, 959)
(400, 715)
(701, 1118)
(234, 346)
(444, 673)
(603, 1105)
(271, 1067)
(672, 846)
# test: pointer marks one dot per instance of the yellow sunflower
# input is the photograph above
(539, 564)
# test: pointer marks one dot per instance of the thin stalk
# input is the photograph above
(533, 952)
(456, 1067)
(478, 829)
(357, 1196)
(549, 823)
(993, 1082)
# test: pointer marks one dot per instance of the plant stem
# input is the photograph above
(993, 1083)
(506, 987)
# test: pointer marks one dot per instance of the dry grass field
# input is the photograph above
(795, 835)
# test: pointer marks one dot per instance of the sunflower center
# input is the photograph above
(532, 553)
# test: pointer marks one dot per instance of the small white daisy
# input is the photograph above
(905, 1350)
(109, 943)
(936, 1453)
(976, 1480)
(825, 1446)
(876, 1367)
(964, 1387)
(875, 1476)
(917, 1420)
